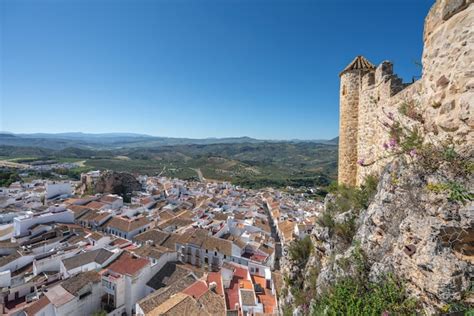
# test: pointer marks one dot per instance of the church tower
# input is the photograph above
(350, 85)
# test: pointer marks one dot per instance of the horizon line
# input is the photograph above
(161, 136)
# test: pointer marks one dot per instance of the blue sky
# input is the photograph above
(260, 68)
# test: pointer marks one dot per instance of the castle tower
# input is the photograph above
(350, 84)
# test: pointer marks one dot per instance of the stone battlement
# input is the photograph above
(445, 92)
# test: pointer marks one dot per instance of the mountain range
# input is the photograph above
(125, 140)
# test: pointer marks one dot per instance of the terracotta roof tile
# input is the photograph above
(125, 224)
(37, 306)
(197, 289)
(128, 264)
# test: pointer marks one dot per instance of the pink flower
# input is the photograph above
(360, 162)
(385, 146)
(392, 143)
(413, 152)
(385, 313)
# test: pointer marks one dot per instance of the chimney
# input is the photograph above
(213, 287)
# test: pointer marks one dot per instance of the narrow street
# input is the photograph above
(276, 237)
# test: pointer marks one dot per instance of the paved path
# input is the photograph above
(199, 173)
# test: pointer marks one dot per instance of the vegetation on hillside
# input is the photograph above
(343, 199)
(252, 165)
(361, 297)
(7, 177)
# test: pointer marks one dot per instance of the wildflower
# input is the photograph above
(390, 116)
(392, 143)
(360, 162)
(386, 313)
(385, 146)
(412, 152)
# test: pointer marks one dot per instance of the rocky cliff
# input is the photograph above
(120, 183)
(413, 230)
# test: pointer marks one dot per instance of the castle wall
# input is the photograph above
(445, 94)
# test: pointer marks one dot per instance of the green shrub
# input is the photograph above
(455, 191)
(352, 296)
(7, 177)
(346, 230)
(347, 198)
(300, 250)
(326, 220)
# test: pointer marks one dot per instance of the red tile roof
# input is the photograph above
(232, 293)
(127, 224)
(217, 278)
(128, 264)
(266, 297)
(197, 289)
(37, 306)
(241, 273)
(95, 205)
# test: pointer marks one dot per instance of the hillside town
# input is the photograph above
(167, 247)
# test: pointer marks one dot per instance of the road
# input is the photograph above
(199, 173)
(278, 249)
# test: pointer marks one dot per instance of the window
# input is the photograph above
(84, 295)
(343, 90)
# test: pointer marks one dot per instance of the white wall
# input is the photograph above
(5, 278)
(21, 224)
(85, 306)
(101, 243)
(48, 310)
(52, 263)
(17, 263)
(58, 188)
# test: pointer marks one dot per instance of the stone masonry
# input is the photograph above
(444, 94)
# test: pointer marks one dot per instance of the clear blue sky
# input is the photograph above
(260, 68)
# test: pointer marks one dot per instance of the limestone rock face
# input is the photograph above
(420, 236)
(117, 183)
(120, 183)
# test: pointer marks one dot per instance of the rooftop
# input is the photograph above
(98, 256)
(358, 63)
(74, 284)
(128, 264)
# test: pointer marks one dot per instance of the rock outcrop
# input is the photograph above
(422, 237)
(120, 183)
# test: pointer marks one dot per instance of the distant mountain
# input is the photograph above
(80, 135)
(6, 135)
(334, 141)
(107, 141)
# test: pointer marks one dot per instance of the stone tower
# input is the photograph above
(350, 85)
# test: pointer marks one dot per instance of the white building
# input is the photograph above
(76, 296)
(22, 224)
(57, 189)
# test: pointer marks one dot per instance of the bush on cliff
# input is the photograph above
(346, 198)
(300, 250)
(352, 296)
